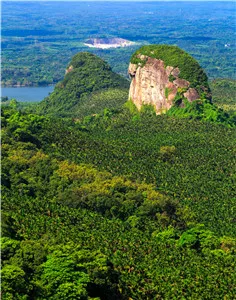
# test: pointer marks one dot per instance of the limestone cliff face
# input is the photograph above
(157, 85)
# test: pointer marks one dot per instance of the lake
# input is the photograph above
(27, 94)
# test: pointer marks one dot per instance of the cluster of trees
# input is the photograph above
(116, 206)
(203, 109)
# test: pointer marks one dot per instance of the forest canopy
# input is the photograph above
(112, 205)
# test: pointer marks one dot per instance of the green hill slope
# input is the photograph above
(89, 84)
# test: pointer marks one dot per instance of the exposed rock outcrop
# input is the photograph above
(161, 85)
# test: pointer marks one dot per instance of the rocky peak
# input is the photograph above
(154, 82)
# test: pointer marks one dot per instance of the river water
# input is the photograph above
(26, 94)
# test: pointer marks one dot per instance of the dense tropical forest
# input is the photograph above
(117, 206)
(120, 204)
(101, 200)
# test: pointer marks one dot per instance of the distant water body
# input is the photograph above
(26, 94)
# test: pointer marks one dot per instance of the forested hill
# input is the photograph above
(88, 87)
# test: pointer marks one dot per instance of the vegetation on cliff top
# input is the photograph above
(190, 69)
(88, 76)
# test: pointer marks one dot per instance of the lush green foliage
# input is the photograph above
(73, 231)
(98, 101)
(175, 57)
(203, 110)
(89, 82)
